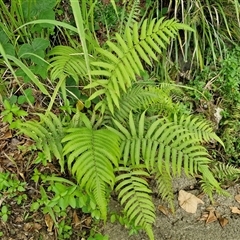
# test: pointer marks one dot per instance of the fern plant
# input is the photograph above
(130, 15)
(123, 60)
(67, 62)
(47, 135)
(134, 193)
(122, 157)
(129, 142)
(91, 155)
(225, 172)
(144, 96)
(165, 146)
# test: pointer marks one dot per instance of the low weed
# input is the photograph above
(12, 114)
(57, 196)
(10, 189)
(220, 85)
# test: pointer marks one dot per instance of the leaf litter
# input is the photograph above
(16, 157)
(188, 201)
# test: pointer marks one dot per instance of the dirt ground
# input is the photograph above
(187, 226)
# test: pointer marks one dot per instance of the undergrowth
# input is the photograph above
(109, 121)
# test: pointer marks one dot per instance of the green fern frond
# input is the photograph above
(134, 193)
(157, 100)
(137, 98)
(66, 61)
(167, 101)
(124, 59)
(168, 143)
(91, 155)
(208, 179)
(209, 182)
(165, 147)
(201, 129)
(47, 134)
(165, 187)
(224, 171)
(130, 147)
(163, 142)
(132, 14)
(207, 188)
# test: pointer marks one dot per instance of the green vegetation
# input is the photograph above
(111, 95)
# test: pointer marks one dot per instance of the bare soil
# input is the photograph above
(186, 226)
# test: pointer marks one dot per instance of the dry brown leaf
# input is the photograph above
(49, 222)
(211, 217)
(76, 220)
(22, 176)
(201, 195)
(235, 210)
(27, 227)
(164, 210)
(204, 216)
(37, 226)
(218, 215)
(31, 226)
(19, 219)
(28, 143)
(6, 135)
(106, 1)
(88, 221)
(237, 198)
(223, 221)
(188, 201)
(210, 208)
